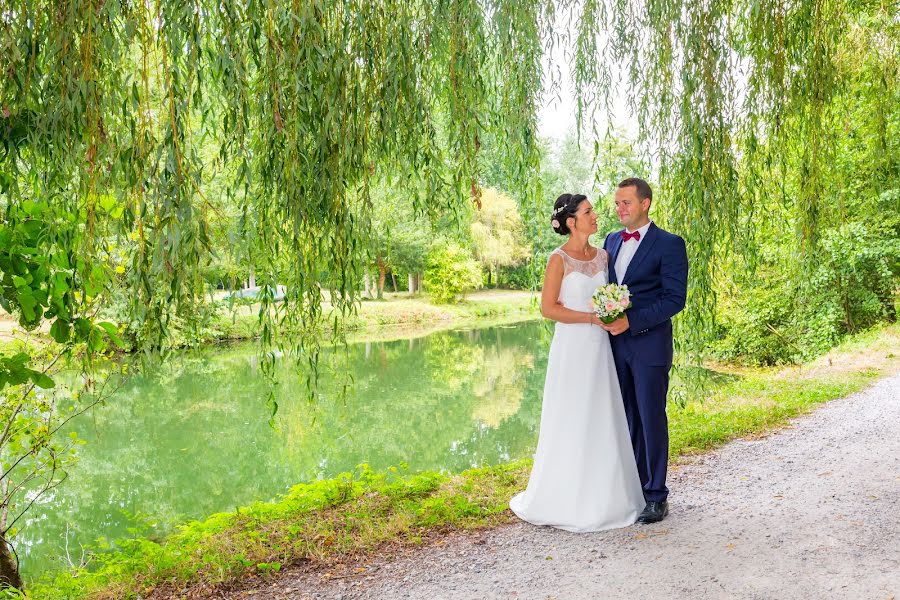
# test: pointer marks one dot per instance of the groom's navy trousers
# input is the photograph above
(657, 279)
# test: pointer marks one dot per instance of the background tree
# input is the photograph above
(498, 233)
(308, 103)
(572, 165)
(398, 238)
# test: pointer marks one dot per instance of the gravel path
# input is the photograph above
(811, 511)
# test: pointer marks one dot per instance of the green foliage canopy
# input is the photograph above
(746, 105)
(105, 107)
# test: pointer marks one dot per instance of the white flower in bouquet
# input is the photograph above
(611, 301)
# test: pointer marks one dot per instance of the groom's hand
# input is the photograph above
(618, 326)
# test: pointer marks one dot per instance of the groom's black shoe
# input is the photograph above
(654, 512)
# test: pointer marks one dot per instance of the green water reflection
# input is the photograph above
(191, 438)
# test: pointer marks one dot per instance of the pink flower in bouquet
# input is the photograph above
(624, 302)
(610, 306)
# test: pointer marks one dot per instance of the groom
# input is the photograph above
(653, 264)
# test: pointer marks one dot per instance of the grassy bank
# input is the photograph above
(366, 512)
(398, 314)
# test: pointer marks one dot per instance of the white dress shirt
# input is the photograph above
(626, 252)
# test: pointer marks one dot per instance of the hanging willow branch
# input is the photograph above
(105, 105)
(736, 101)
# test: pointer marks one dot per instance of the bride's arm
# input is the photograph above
(550, 307)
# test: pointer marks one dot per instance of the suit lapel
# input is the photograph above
(614, 248)
(642, 251)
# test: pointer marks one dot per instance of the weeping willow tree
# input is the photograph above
(738, 102)
(106, 104)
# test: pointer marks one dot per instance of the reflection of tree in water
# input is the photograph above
(515, 435)
(498, 384)
(406, 406)
(452, 357)
(195, 439)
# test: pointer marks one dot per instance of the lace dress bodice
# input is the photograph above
(581, 278)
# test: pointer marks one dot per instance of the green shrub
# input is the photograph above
(449, 271)
(521, 277)
(857, 273)
(852, 287)
(753, 326)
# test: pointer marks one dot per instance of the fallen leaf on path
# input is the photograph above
(824, 473)
(778, 497)
(730, 547)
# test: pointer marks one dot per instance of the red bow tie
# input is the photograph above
(636, 236)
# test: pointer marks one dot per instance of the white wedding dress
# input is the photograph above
(584, 476)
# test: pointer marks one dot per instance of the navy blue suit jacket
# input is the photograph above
(657, 279)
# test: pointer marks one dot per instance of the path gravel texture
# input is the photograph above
(811, 511)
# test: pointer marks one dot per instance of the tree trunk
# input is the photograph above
(382, 275)
(9, 570)
(845, 301)
(251, 282)
(888, 303)
(394, 281)
(412, 283)
(9, 566)
(368, 285)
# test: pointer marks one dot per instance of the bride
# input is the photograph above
(584, 476)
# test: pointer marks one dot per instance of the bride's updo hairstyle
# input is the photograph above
(566, 206)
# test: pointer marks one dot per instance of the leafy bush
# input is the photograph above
(521, 277)
(858, 270)
(752, 326)
(449, 271)
(851, 287)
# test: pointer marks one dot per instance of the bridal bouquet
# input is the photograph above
(611, 301)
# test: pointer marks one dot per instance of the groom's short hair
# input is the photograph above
(642, 188)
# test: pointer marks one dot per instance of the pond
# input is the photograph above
(192, 438)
